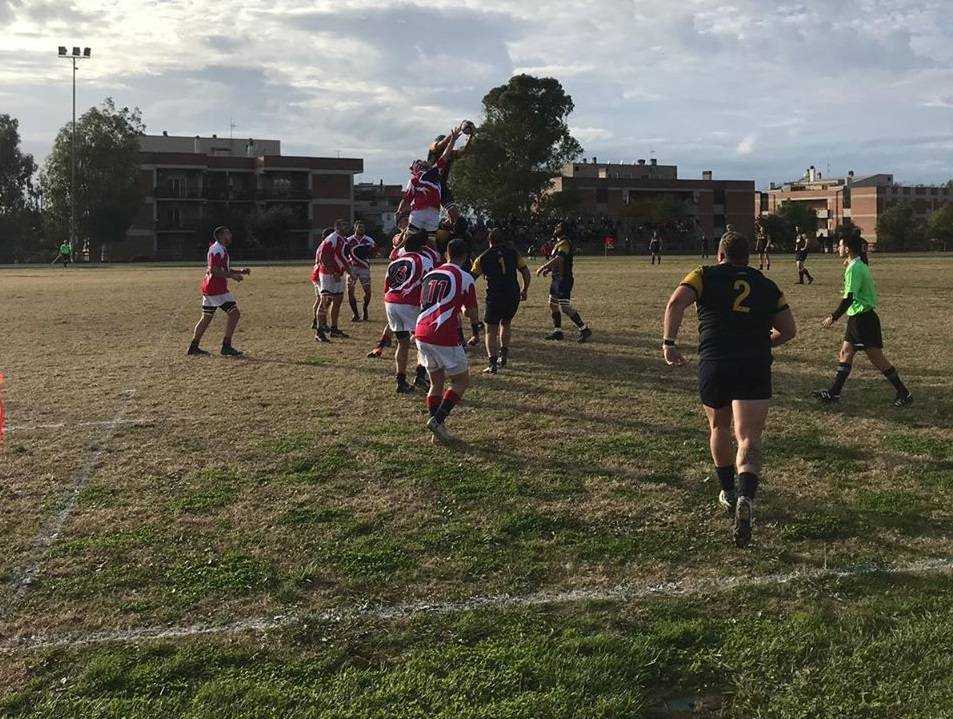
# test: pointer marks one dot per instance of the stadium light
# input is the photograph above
(85, 55)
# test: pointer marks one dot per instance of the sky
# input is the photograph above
(749, 89)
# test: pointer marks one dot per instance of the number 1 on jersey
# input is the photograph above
(745, 288)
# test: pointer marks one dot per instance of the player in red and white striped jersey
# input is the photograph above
(215, 293)
(331, 266)
(360, 248)
(422, 194)
(446, 291)
(402, 303)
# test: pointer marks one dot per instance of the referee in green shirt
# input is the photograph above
(65, 253)
(863, 326)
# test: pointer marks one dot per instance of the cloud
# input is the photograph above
(746, 146)
(702, 83)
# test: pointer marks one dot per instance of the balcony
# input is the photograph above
(242, 194)
(285, 194)
(177, 224)
(169, 192)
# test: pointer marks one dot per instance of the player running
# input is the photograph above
(332, 265)
(741, 316)
(447, 290)
(215, 294)
(499, 265)
(800, 257)
(863, 326)
(360, 248)
(560, 289)
(402, 303)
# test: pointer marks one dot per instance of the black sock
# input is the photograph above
(577, 320)
(401, 378)
(448, 402)
(747, 484)
(226, 342)
(367, 303)
(194, 344)
(557, 320)
(726, 476)
(843, 371)
(800, 275)
(894, 377)
(503, 352)
(334, 328)
(493, 360)
(382, 343)
(352, 301)
(421, 372)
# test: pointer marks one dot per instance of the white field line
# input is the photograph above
(77, 425)
(50, 531)
(621, 594)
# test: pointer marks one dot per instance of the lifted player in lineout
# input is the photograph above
(499, 265)
(560, 289)
(360, 248)
(741, 316)
(215, 294)
(447, 291)
(863, 326)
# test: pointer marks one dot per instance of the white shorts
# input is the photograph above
(453, 360)
(428, 219)
(401, 318)
(330, 285)
(210, 303)
(359, 273)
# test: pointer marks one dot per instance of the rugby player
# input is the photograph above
(560, 289)
(741, 316)
(436, 151)
(360, 249)
(499, 265)
(422, 194)
(800, 257)
(402, 303)
(763, 248)
(447, 290)
(215, 294)
(655, 247)
(332, 266)
(863, 326)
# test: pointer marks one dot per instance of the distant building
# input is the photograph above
(188, 180)
(626, 193)
(375, 203)
(862, 199)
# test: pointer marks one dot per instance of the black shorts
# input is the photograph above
(500, 310)
(863, 331)
(800, 256)
(721, 381)
(561, 289)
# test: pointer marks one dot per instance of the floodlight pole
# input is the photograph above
(72, 187)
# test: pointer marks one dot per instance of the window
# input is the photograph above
(719, 196)
(602, 195)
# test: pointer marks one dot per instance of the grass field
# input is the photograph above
(275, 536)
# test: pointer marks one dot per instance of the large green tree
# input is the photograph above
(898, 230)
(940, 228)
(108, 194)
(797, 215)
(519, 148)
(19, 226)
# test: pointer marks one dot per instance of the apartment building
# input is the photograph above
(375, 203)
(190, 181)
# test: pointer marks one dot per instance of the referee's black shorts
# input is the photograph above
(863, 331)
(722, 381)
(500, 310)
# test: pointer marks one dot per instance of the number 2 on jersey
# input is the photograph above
(745, 290)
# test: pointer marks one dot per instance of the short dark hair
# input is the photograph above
(326, 231)
(854, 243)
(457, 249)
(735, 247)
(415, 240)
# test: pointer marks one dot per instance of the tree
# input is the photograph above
(898, 231)
(108, 194)
(940, 228)
(797, 215)
(845, 230)
(19, 235)
(521, 146)
(271, 229)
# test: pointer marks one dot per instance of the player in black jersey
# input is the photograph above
(560, 290)
(741, 316)
(436, 150)
(499, 265)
